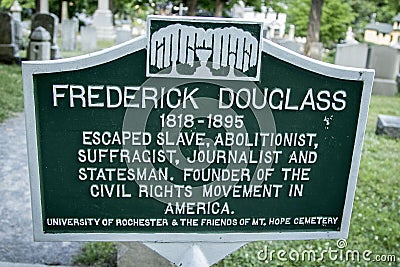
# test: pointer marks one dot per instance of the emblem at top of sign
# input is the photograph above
(187, 47)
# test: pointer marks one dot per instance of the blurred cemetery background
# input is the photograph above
(356, 33)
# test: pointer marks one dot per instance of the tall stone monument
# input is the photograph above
(48, 21)
(88, 39)
(102, 20)
(352, 55)
(44, 6)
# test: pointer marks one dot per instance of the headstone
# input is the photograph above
(386, 61)
(39, 45)
(16, 13)
(103, 21)
(292, 30)
(69, 32)
(8, 46)
(48, 21)
(352, 55)
(88, 39)
(18, 34)
(182, 9)
(388, 125)
(64, 11)
(315, 50)
(123, 35)
(384, 87)
(192, 145)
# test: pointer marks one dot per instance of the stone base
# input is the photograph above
(388, 125)
(384, 87)
(55, 52)
(102, 21)
(135, 254)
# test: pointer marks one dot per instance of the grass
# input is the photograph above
(97, 254)
(11, 96)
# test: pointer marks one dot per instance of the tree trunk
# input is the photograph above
(219, 6)
(192, 7)
(314, 23)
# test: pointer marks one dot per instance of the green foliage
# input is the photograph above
(6, 3)
(375, 223)
(337, 16)
(297, 14)
(11, 96)
(102, 254)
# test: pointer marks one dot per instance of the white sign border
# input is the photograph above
(31, 68)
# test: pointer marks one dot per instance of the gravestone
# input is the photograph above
(386, 61)
(292, 30)
(388, 125)
(64, 11)
(292, 45)
(352, 55)
(39, 45)
(194, 139)
(48, 21)
(16, 10)
(8, 46)
(88, 39)
(123, 35)
(69, 32)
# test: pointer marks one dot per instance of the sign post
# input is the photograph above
(201, 135)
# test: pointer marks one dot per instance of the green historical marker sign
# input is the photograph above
(200, 132)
